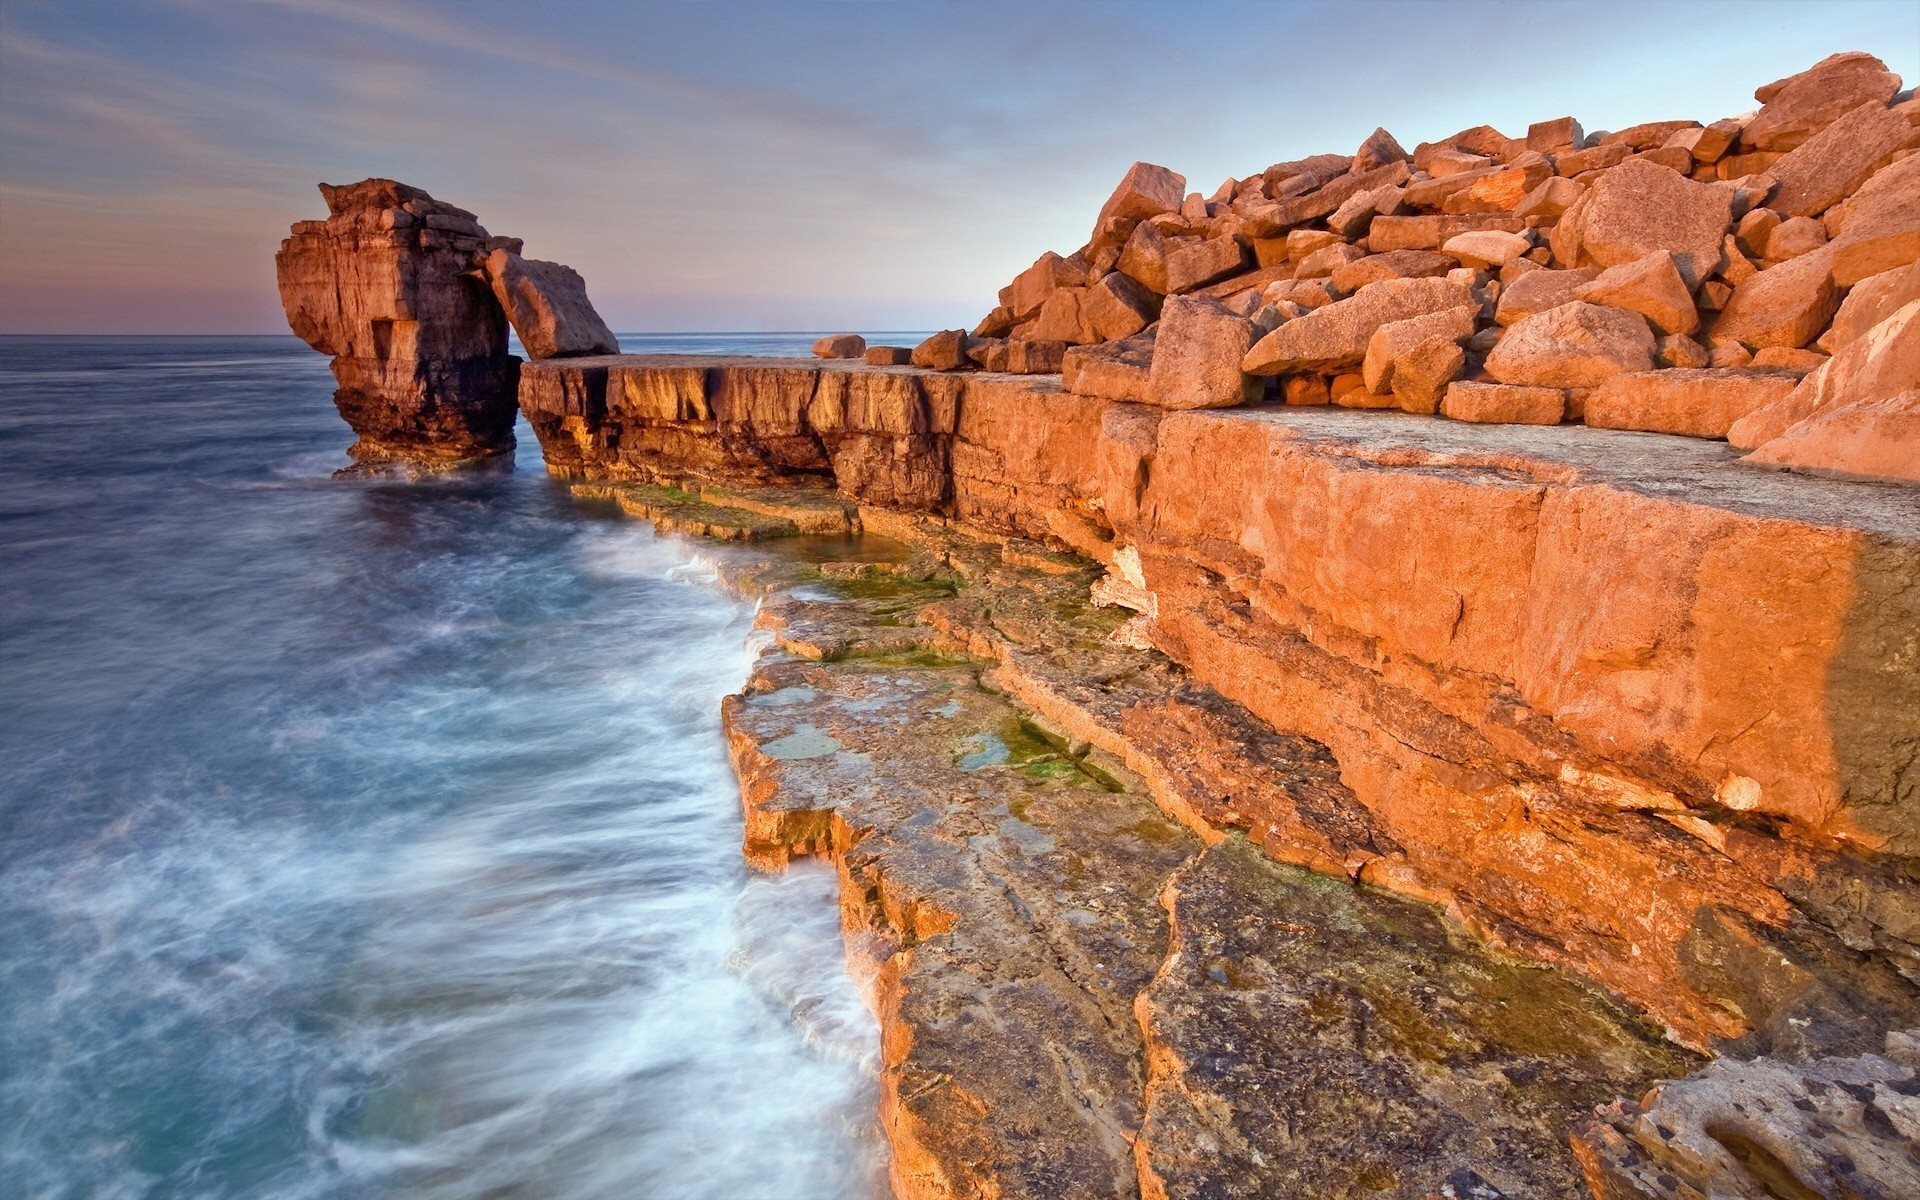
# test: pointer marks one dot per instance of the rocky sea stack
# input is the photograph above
(1242, 791)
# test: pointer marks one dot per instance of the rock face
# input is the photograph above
(547, 305)
(1841, 1127)
(386, 285)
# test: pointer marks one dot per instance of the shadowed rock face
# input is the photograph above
(385, 284)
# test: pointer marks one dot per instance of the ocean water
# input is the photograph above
(368, 838)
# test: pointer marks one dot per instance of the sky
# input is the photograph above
(761, 166)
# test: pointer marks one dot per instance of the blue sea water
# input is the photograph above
(369, 838)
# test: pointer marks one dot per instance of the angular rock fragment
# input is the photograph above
(944, 351)
(1395, 338)
(1538, 291)
(1350, 277)
(1639, 208)
(1144, 191)
(1117, 307)
(888, 356)
(1378, 150)
(1695, 403)
(1833, 164)
(1487, 247)
(1651, 286)
(1503, 404)
(1870, 302)
(1197, 355)
(1877, 228)
(1791, 239)
(1189, 267)
(1799, 106)
(1336, 336)
(1114, 370)
(1786, 305)
(1422, 374)
(1883, 362)
(840, 345)
(1875, 438)
(1576, 345)
(547, 305)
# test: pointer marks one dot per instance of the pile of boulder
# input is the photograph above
(413, 297)
(1753, 279)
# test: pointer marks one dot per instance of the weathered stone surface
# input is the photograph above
(1422, 374)
(1832, 164)
(1032, 286)
(840, 345)
(1878, 227)
(1791, 239)
(1117, 307)
(1405, 1060)
(1799, 106)
(1698, 403)
(1556, 136)
(1503, 404)
(944, 351)
(1144, 258)
(1537, 291)
(1062, 318)
(1395, 338)
(1322, 263)
(1760, 1130)
(1785, 305)
(1552, 198)
(1336, 336)
(388, 286)
(1651, 286)
(1378, 150)
(1030, 357)
(1870, 302)
(887, 356)
(1271, 219)
(1678, 350)
(1575, 345)
(1202, 263)
(1639, 208)
(1487, 247)
(1883, 362)
(1144, 191)
(1430, 232)
(547, 305)
(1351, 276)
(1873, 438)
(1116, 370)
(1197, 354)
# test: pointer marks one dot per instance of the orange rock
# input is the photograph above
(1555, 136)
(1878, 227)
(1552, 198)
(1651, 286)
(1500, 191)
(1787, 305)
(1422, 374)
(1357, 211)
(1593, 158)
(1193, 266)
(1696, 403)
(1870, 302)
(1394, 339)
(1144, 258)
(1678, 350)
(1503, 404)
(1032, 286)
(1432, 231)
(1538, 291)
(1639, 208)
(1035, 357)
(1877, 438)
(1883, 362)
(1831, 165)
(1117, 307)
(547, 305)
(1351, 276)
(1791, 239)
(840, 345)
(1061, 318)
(1114, 370)
(1144, 191)
(887, 356)
(1377, 151)
(944, 351)
(1707, 144)
(1306, 390)
(1797, 361)
(1197, 355)
(1486, 247)
(1336, 336)
(1800, 106)
(1571, 346)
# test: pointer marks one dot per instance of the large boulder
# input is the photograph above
(1884, 362)
(1651, 286)
(1786, 305)
(1878, 227)
(1831, 165)
(1871, 301)
(1144, 191)
(1696, 403)
(1538, 291)
(1877, 438)
(1503, 403)
(1639, 208)
(388, 284)
(1800, 106)
(1336, 336)
(546, 302)
(1197, 354)
(1576, 345)
(1118, 307)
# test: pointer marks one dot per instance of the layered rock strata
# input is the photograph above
(1078, 996)
(412, 297)
(1616, 700)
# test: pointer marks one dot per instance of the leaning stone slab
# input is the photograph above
(547, 304)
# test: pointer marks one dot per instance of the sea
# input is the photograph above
(373, 837)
